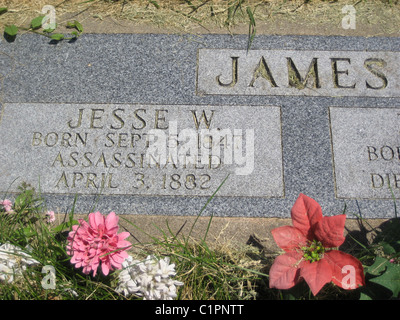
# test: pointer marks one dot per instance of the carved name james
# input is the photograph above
(142, 149)
(286, 72)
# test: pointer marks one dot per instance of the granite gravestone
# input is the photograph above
(155, 124)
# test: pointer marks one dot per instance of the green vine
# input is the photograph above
(36, 26)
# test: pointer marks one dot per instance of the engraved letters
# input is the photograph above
(286, 72)
(156, 150)
(297, 81)
(366, 153)
(234, 74)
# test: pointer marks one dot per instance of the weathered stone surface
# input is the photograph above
(299, 147)
(366, 152)
(159, 150)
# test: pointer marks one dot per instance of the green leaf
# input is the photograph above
(57, 36)
(11, 30)
(365, 296)
(379, 266)
(49, 30)
(37, 22)
(75, 25)
(3, 10)
(390, 279)
(78, 26)
(387, 248)
(154, 3)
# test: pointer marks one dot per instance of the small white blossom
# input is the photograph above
(71, 292)
(13, 261)
(149, 279)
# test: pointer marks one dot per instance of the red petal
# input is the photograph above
(316, 274)
(348, 272)
(288, 238)
(284, 273)
(306, 212)
(330, 231)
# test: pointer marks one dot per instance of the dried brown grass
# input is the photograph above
(208, 16)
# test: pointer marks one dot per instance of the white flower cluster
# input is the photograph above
(13, 261)
(149, 278)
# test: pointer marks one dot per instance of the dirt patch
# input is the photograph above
(235, 231)
(299, 17)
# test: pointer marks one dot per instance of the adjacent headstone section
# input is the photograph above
(366, 152)
(154, 124)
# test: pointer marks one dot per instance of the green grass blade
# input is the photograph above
(205, 206)
(252, 27)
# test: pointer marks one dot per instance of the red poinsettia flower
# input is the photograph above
(311, 253)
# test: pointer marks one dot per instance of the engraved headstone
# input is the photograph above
(161, 150)
(366, 152)
(155, 124)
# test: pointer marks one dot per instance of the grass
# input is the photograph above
(210, 271)
(191, 16)
(219, 271)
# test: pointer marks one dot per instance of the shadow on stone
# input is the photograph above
(9, 38)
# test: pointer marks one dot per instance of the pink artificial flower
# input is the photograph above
(97, 242)
(7, 205)
(51, 217)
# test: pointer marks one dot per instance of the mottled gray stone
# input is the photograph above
(43, 80)
(161, 150)
(366, 152)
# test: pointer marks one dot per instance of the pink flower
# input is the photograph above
(51, 217)
(7, 205)
(97, 242)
